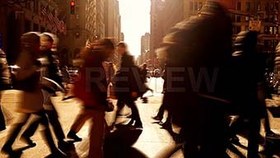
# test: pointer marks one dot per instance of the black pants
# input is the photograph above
(41, 118)
(131, 104)
(204, 130)
(53, 120)
(2, 120)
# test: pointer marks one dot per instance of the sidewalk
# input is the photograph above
(151, 140)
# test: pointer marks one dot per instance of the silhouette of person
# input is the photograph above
(91, 89)
(129, 94)
(196, 52)
(4, 82)
(31, 99)
(50, 70)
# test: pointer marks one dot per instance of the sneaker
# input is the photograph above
(28, 141)
(72, 135)
(157, 118)
(272, 135)
(7, 149)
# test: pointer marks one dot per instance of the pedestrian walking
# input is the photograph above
(31, 99)
(50, 70)
(144, 76)
(126, 87)
(91, 89)
(249, 87)
(196, 52)
(4, 83)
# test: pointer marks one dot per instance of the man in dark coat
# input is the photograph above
(196, 52)
(4, 81)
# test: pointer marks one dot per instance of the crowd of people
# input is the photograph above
(213, 76)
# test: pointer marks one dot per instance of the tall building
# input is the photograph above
(18, 17)
(91, 19)
(145, 49)
(112, 19)
(164, 14)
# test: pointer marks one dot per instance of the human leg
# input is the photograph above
(48, 136)
(15, 130)
(80, 120)
(97, 132)
(135, 116)
(2, 119)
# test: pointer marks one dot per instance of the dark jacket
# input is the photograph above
(248, 74)
(199, 47)
(127, 78)
(52, 68)
(196, 52)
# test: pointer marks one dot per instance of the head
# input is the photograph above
(106, 46)
(46, 41)
(121, 48)
(30, 41)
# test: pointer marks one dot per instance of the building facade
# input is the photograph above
(145, 49)
(30, 15)
(164, 15)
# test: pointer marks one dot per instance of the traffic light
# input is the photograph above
(72, 7)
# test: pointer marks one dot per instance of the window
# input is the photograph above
(248, 6)
(238, 7)
(238, 18)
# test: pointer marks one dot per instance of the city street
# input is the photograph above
(150, 143)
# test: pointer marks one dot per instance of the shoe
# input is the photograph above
(234, 140)
(72, 135)
(272, 135)
(64, 146)
(28, 141)
(157, 118)
(7, 149)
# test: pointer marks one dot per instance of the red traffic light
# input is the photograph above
(72, 3)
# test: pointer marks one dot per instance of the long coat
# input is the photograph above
(31, 100)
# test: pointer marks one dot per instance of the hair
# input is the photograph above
(107, 42)
(122, 44)
(29, 40)
(48, 36)
(98, 45)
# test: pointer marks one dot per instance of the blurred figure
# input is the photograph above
(144, 76)
(249, 89)
(49, 70)
(28, 76)
(4, 83)
(196, 52)
(91, 89)
(127, 89)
